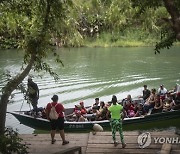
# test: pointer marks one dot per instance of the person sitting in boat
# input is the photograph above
(146, 93)
(79, 111)
(126, 100)
(150, 102)
(174, 91)
(108, 104)
(177, 101)
(83, 109)
(168, 104)
(101, 113)
(140, 111)
(129, 107)
(102, 105)
(96, 103)
(158, 104)
(162, 91)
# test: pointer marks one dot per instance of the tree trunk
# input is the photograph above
(12, 84)
(8, 89)
(175, 16)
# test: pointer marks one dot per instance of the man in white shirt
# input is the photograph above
(162, 90)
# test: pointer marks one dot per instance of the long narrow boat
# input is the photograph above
(153, 121)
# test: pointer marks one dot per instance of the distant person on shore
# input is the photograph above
(56, 123)
(32, 94)
(116, 120)
(146, 93)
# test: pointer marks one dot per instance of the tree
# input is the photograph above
(34, 22)
(171, 29)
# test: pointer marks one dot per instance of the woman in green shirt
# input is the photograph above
(116, 121)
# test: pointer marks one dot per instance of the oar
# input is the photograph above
(21, 107)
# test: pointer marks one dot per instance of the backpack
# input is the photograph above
(53, 115)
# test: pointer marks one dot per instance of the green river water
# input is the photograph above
(94, 72)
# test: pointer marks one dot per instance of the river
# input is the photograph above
(94, 72)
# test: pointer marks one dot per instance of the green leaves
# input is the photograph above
(11, 143)
(167, 40)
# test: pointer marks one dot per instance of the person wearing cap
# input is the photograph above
(56, 123)
(32, 94)
(162, 90)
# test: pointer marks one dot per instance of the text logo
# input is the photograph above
(144, 140)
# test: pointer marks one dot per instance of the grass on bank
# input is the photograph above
(128, 38)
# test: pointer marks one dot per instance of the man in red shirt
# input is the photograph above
(56, 123)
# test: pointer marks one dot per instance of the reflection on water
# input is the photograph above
(96, 72)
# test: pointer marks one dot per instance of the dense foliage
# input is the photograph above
(11, 143)
(32, 24)
(108, 21)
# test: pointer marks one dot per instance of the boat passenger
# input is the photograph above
(168, 104)
(129, 107)
(101, 113)
(158, 104)
(83, 109)
(162, 91)
(140, 111)
(149, 104)
(146, 93)
(79, 111)
(174, 91)
(96, 102)
(102, 105)
(177, 101)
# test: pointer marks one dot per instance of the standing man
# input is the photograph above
(116, 121)
(56, 123)
(33, 94)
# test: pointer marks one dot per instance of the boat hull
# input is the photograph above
(154, 121)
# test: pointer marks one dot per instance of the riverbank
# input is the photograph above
(131, 38)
